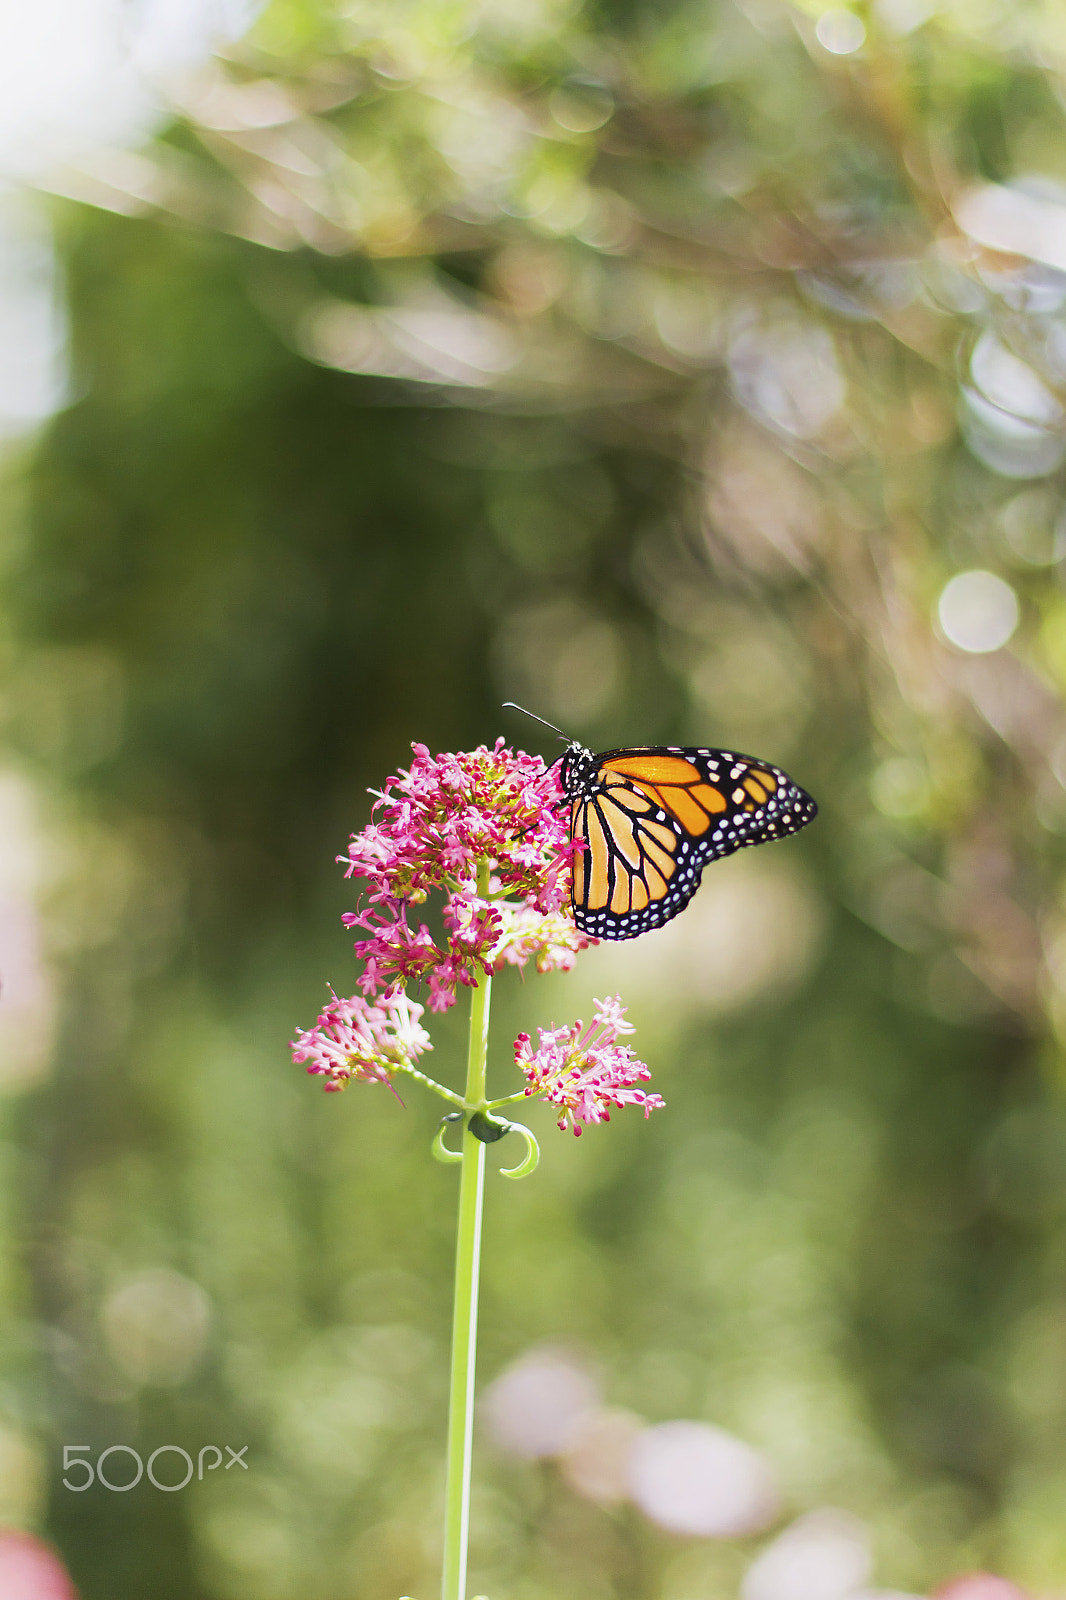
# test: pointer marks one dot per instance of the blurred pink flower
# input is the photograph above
(824, 1555)
(692, 1478)
(536, 1406)
(434, 825)
(583, 1070)
(31, 1570)
(354, 1039)
(979, 1586)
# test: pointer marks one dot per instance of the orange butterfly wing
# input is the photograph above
(651, 819)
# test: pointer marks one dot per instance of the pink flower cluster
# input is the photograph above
(485, 830)
(434, 824)
(354, 1039)
(583, 1070)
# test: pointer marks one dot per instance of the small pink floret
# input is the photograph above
(354, 1039)
(583, 1070)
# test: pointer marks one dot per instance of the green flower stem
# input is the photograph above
(431, 1083)
(508, 1100)
(464, 1321)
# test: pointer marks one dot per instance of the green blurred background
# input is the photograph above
(657, 364)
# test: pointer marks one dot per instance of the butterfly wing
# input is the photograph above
(652, 818)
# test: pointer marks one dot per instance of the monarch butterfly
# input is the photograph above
(651, 817)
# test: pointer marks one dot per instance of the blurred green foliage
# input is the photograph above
(656, 367)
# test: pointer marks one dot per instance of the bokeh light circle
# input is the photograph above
(597, 1462)
(840, 31)
(155, 1326)
(977, 611)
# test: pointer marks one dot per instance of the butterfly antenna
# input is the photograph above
(512, 706)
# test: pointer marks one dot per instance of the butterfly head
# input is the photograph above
(576, 768)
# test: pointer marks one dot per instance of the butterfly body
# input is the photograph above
(652, 817)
